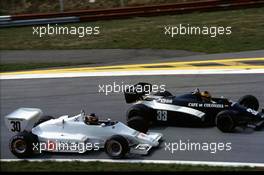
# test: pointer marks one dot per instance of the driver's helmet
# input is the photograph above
(206, 95)
(91, 119)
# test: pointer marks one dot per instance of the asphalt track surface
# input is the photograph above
(61, 96)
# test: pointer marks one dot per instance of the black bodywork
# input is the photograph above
(191, 110)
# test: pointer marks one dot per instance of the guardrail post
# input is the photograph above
(61, 5)
(122, 4)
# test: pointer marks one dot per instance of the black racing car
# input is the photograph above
(191, 109)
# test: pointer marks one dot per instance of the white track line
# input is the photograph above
(131, 73)
(223, 164)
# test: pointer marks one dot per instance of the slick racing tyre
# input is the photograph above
(43, 119)
(117, 147)
(225, 121)
(249, 101)
(163, 94)
(21, 145)
(138, 123)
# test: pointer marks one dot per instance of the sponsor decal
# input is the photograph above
(162, 100)
(206, 105)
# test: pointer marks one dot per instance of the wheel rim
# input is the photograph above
(114, 148)
(226, 122)
(20, 146)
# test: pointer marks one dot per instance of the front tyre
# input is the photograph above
(249, 101)
(225, 121)
(117, 147)
(138, 123)
(21, 145)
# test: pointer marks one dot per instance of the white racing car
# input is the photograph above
(36, 133)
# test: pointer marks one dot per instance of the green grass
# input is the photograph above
(99, 166)
(32, 66)
(247, 34)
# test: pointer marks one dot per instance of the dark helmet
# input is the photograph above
(92, 119)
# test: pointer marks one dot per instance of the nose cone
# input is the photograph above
(151, 138)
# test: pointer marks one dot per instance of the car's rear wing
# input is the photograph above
(22, 119)
(137, 91)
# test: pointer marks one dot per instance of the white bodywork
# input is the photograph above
(71, 134)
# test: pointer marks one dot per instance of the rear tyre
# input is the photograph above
(225, 121)
(117, 147)
(249, 101)
(21, 145)
(138, 123)
(43, 119)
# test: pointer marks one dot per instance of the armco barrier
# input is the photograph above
(39, 21)
(126, 12)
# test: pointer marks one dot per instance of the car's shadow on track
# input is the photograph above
(240, 130)
(237, 130)
(63, 155)
(99, 154)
